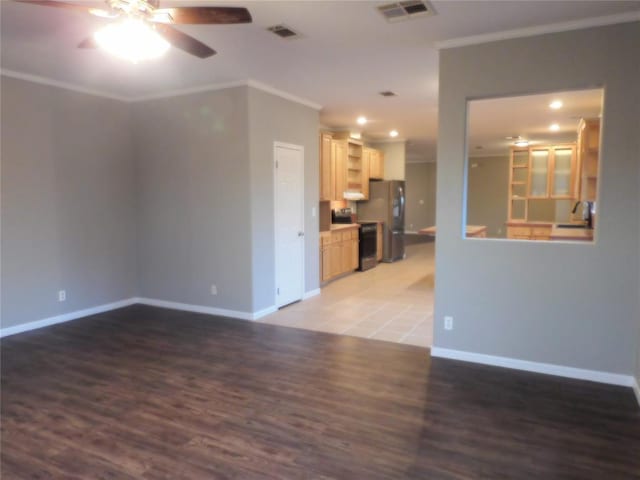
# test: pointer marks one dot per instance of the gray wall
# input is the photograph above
(68, 210)
(194, 198)
(421, 185)
(394, 159)
(567, 304)
(205, 195)
(488, 191)
(271, 119)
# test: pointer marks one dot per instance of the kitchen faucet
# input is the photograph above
(588, 215)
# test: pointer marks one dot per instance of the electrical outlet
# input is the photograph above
(448, 323)
(62, 295)
(313, 211)
(214, 290)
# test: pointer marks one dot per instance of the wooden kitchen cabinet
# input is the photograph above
(327, 186)
(325, 256)
(338, 252)
(347, 166)
(376, 165)
(366, 162)
(379, 241)
(339, 157)
(355, 249)
(348, 154)
(588, 159)
(529, 231)
(541, 172)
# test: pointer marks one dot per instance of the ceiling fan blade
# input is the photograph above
(184, 42)
(88, 42)
(201, 15)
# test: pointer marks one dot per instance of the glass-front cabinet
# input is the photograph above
(519, 184)
(539, 178)
(545, 172)
(563, 173)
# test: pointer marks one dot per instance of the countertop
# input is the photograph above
(522, 223)
(343, 226)
(580, 234)
(472, 230)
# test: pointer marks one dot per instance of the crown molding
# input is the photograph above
(221, 86)
(168, 94)
(188, 91)
(280, 93)
(539, 30)
(64, 85)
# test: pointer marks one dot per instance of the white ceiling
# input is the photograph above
(347, 54)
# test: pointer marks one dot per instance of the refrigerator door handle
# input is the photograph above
(401, 191)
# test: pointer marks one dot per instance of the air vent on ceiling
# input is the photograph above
(398, 11)
(283, 31)
(388, 93)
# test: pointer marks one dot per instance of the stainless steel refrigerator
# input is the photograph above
(386, 203)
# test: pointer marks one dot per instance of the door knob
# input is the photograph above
(301, 234)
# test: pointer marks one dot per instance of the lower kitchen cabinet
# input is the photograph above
(524, 231)
(338, 252)
(379, 242)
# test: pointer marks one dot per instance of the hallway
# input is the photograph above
(392, 302)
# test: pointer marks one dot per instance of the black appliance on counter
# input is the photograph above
(368, 246)
(341, 215)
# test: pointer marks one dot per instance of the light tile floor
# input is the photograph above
(392, 302)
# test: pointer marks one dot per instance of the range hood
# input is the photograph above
(353, 196)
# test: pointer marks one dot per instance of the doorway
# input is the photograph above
(289, 222)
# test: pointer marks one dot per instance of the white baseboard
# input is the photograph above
(263, 313)
(636, 389)
(546, 368)
(65, 317)
(311, 293)
(198, 308)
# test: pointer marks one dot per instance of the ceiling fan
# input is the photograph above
(132, 18)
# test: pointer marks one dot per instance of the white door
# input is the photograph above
(289, 223)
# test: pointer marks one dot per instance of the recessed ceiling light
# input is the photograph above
(556, 104)
(361, 120)
(522, 143)
(554, 127)
(393, 133)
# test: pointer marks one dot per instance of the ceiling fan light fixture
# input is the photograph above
(131, 39)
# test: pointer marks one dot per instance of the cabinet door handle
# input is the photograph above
(301, 234)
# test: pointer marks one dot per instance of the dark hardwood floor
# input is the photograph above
(147, 393)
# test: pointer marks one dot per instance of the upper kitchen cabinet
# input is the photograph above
(327, 187)
(563, 172)
(339, 160)
(552, 172)
(540, 173)
(588, 158)
(351, 167)
(376, 164)
(346, 166)
(333, 167)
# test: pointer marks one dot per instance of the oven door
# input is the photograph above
(368, 246)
